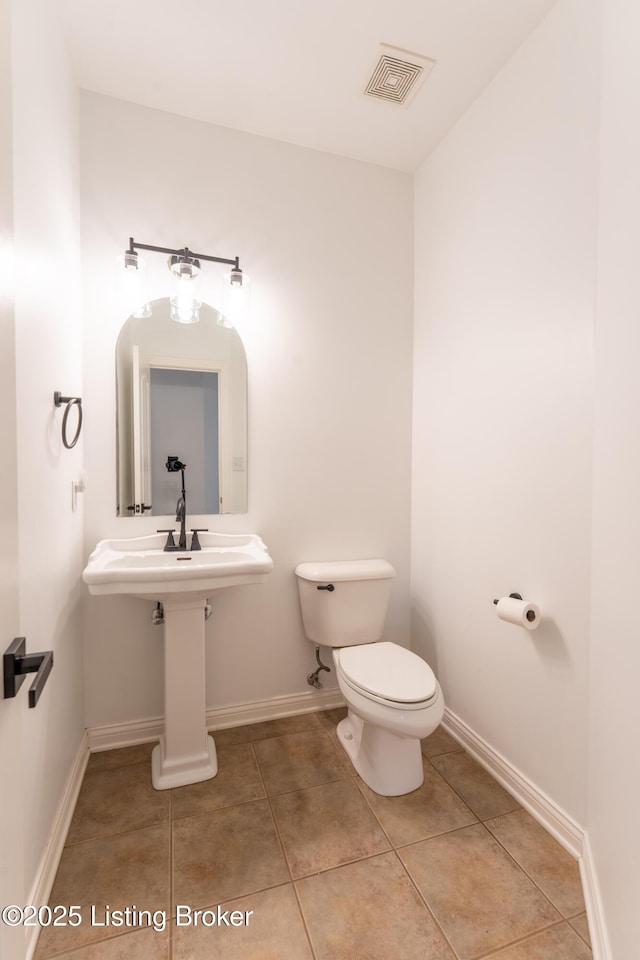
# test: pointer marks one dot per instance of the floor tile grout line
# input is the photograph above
(215, 808)
(484, 824)
(485, 955)
(243, 803)
(584, 940)
(431, 836)
(468, 805)
(337, 865)
(438, 836)
(357, 781)
(304, 920)
(71, 950)
(251, 893)
(445, 753)
(427, 906)
(116, 766)
(497, 817)
(576, 861)
(286, 859)
(343, 863)
(238, 896)
(561, 918)
(273, 816)
(488, 955)
(311, 786)
(531, 878)
(112, 836)
(527, 875)
(453, 789)
(277, 736)
(343, 775)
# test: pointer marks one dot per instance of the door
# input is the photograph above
(12, 881)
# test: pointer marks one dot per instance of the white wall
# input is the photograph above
(505, 285)
(327, 243)
(614, 774)
(48, 346)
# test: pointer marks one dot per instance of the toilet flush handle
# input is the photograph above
(330, 587)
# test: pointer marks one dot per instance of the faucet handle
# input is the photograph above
(170, 541)
(195, 542)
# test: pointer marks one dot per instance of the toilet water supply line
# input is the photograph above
(312, 678)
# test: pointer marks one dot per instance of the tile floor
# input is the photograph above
(289, 837)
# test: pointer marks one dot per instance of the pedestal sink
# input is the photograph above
(182, 581)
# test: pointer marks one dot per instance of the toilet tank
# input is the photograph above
(354, 611)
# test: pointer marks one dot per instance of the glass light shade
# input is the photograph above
(236, 297)
(185, 305)
(134, 285)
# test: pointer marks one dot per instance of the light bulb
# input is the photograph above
(185, 305)
(237, 294)
(134, 285)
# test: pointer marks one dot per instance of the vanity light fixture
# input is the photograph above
(185, 268)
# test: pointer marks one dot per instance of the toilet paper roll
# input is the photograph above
(520, 612)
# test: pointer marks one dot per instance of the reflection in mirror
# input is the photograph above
(181, 391)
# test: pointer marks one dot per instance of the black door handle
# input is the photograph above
(16, 664)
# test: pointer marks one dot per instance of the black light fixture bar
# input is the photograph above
(184, 252)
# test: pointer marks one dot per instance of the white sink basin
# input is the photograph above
(139, 567)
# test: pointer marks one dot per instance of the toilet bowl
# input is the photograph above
(392, 696)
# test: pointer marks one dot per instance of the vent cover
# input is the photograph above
(397, 75)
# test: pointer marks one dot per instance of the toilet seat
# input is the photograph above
(387, 673)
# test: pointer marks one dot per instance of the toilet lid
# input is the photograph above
(388, 671)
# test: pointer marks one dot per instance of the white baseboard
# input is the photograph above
(128, 734)
(597, 926)
(558, 823)
(50, 860)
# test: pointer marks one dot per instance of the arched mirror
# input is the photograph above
(181, 391)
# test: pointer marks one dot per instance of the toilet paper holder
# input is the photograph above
(530, 615)
(514, 596)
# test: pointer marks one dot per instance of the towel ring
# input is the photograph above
(58, 400)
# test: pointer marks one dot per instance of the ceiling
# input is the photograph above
(295, 70)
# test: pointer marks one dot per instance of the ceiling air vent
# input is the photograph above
(397, 75)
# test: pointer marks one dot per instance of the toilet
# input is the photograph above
(392, 695)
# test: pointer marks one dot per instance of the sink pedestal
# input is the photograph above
(186, 753)
(141, 567)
